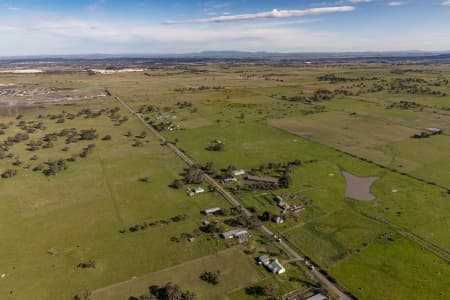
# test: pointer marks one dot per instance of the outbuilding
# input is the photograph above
(211, 211)
(234, 233)
(238, 172)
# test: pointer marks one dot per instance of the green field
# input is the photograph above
(395, 247)
(187, 276)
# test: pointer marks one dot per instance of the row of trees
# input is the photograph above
(145, 225)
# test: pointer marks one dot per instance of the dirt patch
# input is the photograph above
(358, 188)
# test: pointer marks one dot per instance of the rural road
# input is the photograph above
(331, 287)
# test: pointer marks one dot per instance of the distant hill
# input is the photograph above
(412, 55)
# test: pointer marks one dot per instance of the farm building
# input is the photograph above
(284, 206)
(273, 266)
(236, 233)
(434, 130)
(257, 179)
(263, 260)
(228, 180)
(238, 172)
(278, 199)
(278, 220)
(211, 211)
(196, 191)
(318, 297)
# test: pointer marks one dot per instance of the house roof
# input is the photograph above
(275, 266)
(212, 210)
(318, 297)
(199, 190)
(234, 233)
(264, 259)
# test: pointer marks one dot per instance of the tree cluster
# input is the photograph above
(212, 277)
(145, 225)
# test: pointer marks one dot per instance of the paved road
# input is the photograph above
(235, 202)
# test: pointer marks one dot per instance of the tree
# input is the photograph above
(88, 134)
(172, 291)
(210, 168)
(255, 290)
(216, 146)
(145, 179)
(85, 295)
(89, 264)
(9, 173)
(266, 216)
(193, 175)
(211, 277)
(251, 222)
(213, 228)
(177, 184)
(225, 211)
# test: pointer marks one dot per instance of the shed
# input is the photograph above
(233, 233)
(238, 172)
(228, 180)
(434, 130)
(263, 260)
(318, 297)
(210, 211)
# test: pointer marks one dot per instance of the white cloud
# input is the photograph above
(266, 15)
(356, 1)
(75, 36)
(446, 3)
(396, 3)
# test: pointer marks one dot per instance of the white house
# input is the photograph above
(274, 266)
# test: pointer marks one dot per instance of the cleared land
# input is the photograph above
(187, 275)
(265, 117)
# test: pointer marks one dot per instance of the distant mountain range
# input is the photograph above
(261, 55)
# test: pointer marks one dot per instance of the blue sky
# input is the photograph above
(163, 26)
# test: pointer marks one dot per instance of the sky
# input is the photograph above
(50, 27)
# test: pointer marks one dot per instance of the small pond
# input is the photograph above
(358, 188)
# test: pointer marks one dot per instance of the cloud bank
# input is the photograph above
(265, 15)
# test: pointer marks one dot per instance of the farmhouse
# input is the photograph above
(238, 172)
(211, 211)
(276, 267)
(257, 179)
(273, 266)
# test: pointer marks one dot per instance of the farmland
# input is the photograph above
(113, 201)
